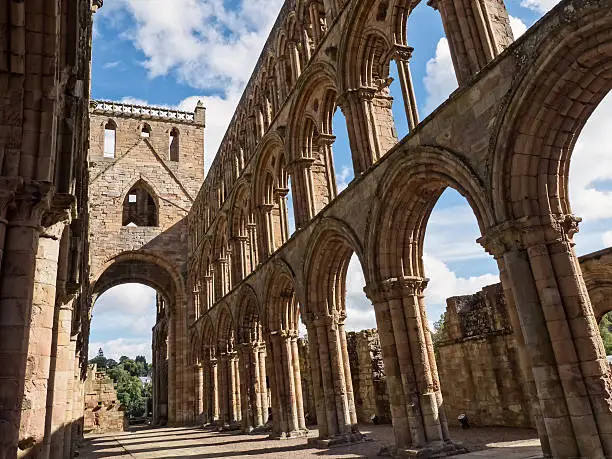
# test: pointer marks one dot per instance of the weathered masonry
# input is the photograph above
(89, 204)
(146, 166)
(503, 140)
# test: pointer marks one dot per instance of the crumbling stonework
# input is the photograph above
(103, 411)
(146, 166)
(368, 375)
(478, 362)
(233, 281)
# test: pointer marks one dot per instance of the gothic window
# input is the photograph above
(110, 137)
(145, 133)
(139, 207)
(174, 144)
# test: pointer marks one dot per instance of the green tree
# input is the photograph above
(605, 329)
(99, 360)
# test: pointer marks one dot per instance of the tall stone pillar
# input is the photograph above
(41, 348)
(19, 257)
(263, 387)
(370, 125)
(412, 381)
(214, 390)
(198, 373)
(570, 370)
(402, 59)
(336, 416)
(477, 32)
(62, 379)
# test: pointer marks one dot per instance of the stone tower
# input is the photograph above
(146, 166)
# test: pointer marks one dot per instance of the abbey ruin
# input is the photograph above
(94, 194)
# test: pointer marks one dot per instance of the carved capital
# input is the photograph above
(326, 140)
(30, 203)
(8, 187)
(396, 288)
(60, 209)
(526, 233)
(402, 53)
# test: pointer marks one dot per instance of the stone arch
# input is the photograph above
(310, 142)
(281, 304)
(555, 94)
(281, 323)
(406, 198)
(143, 268)
(248, 325)
(270, 188)
(558, 86)
(242, 230)
(327, 257)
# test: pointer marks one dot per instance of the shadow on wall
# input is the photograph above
(63, 442)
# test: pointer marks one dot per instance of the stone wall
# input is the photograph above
(103, 412)
(368, 376)
(478, 362)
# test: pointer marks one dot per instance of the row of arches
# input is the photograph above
(111, 140)
(516, 186)
(293, 97)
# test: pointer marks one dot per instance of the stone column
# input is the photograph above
(325, 142)
(303, 191)
(263, 387)
(412, 380)
(235, 394)
(291, 395)
(315, 369)
(295, 358)
(524, 359)
(402, 59)
(244, 366)
(198, 373)
(41, 348)
(223, 389)
(19, 257)
(296, 65)
(272, 366)
(569, 365)
(252, 234)
(366, 110)
(71, 409)
(214, 389)
(63, 374)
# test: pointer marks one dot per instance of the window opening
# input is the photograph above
(110, 137)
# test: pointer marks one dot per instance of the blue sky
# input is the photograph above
(172, 53)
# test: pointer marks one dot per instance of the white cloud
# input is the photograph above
(343, 178)
(591, 165)
(129, 299)
(445, 283)
(518, 27)
(133, 101)
(111, 65)
(541, 6)
(204, 45)
(115, 348)
(440, 80)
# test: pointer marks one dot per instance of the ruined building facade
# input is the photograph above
(232, 283)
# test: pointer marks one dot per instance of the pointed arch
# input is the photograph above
(140, 206)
